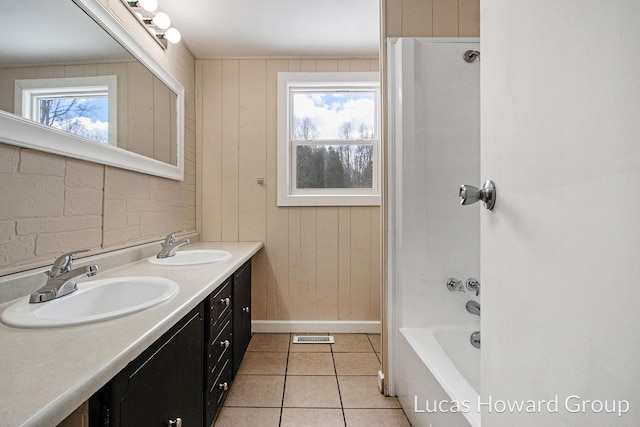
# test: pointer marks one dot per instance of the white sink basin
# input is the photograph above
(192, 257)
(94, 301)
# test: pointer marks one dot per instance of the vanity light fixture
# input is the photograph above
(148, 5)
(157, 23)
(161, 20)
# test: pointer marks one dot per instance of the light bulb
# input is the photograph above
(148, 5)
(173, 35)
(162, 20)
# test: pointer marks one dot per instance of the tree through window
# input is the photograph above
(328, 137)
(83, 106)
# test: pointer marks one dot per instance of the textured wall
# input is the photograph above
(53, 204)
(318, 262)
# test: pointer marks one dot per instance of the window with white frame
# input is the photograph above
(83, 106)
(328, 139)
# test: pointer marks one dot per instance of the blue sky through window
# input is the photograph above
(89, 117)
(330, 110)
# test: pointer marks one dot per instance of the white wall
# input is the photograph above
(560, 137)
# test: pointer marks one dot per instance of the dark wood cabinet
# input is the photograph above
(241, 313)
(219, 342)
(161, 385)
(228, 337)
(188, 372)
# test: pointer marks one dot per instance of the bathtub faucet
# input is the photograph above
(473, 307)
(473, 285)
(454, 284)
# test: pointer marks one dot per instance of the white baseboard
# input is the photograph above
(316, 326)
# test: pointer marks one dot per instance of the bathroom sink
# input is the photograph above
(94, 301)
(192, 257)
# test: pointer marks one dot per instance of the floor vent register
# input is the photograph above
(313, 339)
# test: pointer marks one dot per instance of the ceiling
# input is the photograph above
(246, 28)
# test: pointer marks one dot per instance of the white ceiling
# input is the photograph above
(241, 28)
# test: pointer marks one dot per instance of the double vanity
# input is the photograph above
(168, 363)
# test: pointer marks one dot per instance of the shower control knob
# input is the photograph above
(454, 284)
(470, 194)
(473, 285)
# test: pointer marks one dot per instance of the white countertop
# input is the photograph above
(45, 374)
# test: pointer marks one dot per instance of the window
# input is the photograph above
(328, 139)
(83, 106)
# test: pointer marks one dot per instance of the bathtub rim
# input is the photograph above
(426, 346)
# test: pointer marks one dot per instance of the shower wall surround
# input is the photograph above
(434, 146)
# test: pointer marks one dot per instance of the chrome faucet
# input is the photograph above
(473, 307)
(473, 285)
(62, 279)
(170, 245)
(475, 339)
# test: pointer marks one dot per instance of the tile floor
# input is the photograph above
(280, 383)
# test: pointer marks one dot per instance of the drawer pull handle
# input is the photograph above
(245, 309)
(226, 301)
(224, 386)
(225, 343)
(175, 423)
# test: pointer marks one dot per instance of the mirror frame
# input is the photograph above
(22, 132)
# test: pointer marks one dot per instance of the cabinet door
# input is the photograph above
(165, 382)
(241, 313)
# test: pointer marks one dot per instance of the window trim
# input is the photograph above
(288, 195)
(29, 91)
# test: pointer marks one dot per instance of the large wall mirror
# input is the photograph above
(74, 82)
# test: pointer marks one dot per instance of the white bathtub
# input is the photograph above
(438, 370)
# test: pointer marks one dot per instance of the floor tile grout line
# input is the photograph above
(284, 385)
(337, 377)
(371, 344)
(374, 350)
(335, 370)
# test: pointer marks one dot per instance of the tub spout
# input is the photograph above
(473, 307)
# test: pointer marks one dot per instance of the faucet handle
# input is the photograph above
(171, 238)
(454, 284)
(473, 285)
(62, 264)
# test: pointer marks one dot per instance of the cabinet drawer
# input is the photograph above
(218, 390)
(219, 306)
(220, 346)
